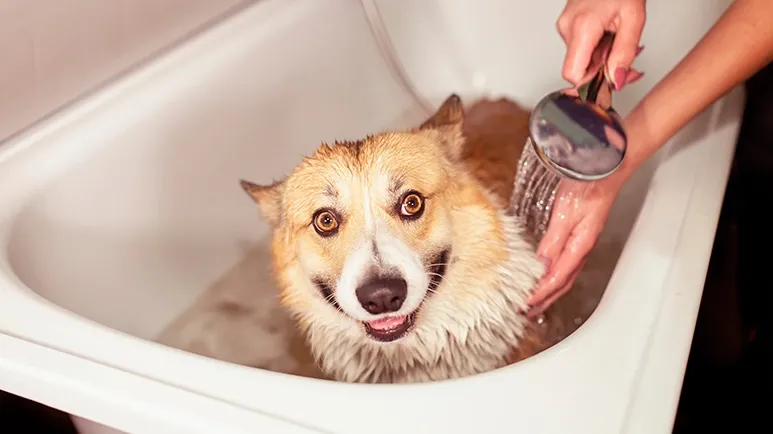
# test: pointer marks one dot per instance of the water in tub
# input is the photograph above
(239, 319)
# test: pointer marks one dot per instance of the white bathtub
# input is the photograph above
(118, 212)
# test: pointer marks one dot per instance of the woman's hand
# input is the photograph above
(578, 217)
(744, 37)
(581, 25)
(581, 209)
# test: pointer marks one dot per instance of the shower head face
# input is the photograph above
(577, 138)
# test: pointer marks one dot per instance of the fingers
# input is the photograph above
(538, 309)
(554, 240)
(550, 248)
(562, 218)
(584, 35)
(564, 23)
(632, 77)
(562, 270)
(626, 46)
(581, 26)
(557, 277)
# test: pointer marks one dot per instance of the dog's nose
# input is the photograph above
(382, 295)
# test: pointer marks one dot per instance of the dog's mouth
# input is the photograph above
(390, 328)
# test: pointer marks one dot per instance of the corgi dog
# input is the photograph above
(395, 254)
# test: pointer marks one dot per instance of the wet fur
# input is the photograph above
(472, 322)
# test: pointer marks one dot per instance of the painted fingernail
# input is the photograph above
(619, 78)
(633, 76)
(639, 50)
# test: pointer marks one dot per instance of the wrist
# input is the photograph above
(641, 144)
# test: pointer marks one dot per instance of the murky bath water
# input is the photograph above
(239, 319)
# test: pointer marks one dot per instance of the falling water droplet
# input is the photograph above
(534, 192)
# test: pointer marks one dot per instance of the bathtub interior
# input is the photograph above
(147, 227)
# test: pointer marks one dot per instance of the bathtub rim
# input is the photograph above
(94, 399)
(17, 298)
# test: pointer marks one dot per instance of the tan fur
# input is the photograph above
(470, 323)
(495, 133)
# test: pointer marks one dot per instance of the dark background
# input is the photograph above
(728, 380)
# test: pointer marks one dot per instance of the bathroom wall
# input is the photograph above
(52, 51)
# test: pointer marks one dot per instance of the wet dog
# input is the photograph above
(395, 254)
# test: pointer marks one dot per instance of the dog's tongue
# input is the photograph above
(387, 323)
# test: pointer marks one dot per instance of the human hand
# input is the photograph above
(578, 217)
(582, 24)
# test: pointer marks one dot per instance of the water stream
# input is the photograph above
(534, 192)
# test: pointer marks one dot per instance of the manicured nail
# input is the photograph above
(639, 50)
(620, 74)
(633, 76)
(534, 312)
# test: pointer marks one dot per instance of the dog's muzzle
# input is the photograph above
(380, 295)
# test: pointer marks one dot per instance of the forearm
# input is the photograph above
(737, 46)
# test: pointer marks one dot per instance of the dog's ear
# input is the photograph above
(450, 114)
(268, 198)
(446, 125)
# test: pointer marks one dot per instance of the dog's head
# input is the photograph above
(367, 234)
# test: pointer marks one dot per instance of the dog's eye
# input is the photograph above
(325, 222)
(412, 205)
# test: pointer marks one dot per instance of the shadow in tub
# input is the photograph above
(238, 319)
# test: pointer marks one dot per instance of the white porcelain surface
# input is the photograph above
(116, 214)
(53, 51)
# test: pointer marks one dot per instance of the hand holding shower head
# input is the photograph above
(576, 132)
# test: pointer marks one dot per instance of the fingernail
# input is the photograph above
(639, 50)
(533, 312)
(633, 76)
(545, 261)
(619, 78)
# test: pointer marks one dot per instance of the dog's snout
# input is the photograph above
(382, 295)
